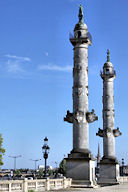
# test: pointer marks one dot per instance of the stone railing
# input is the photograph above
(123, 179)
(35, 185)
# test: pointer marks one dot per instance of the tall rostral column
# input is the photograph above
(80, 163)
(109, 167)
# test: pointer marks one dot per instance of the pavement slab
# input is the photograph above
(123, 187)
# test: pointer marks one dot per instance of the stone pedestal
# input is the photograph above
(81, 168)
(109, 172)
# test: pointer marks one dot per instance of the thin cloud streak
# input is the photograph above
(27, 59)
(51, 67)
(16, 64)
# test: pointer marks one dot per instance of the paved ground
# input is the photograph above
(116, 188)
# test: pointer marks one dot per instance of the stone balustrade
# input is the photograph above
(35, 185)
(123, 179)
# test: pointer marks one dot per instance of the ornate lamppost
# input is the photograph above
(45, 149)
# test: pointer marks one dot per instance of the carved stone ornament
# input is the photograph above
(69, 117)
(107, 132)
(104, 133)
(116, 132)
(91, 117)
(100, 133)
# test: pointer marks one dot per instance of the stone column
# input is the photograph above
(108, 165)
(78, 161)
(108, 120)
(80, 116)
(80, 98)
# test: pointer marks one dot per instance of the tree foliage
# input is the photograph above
(30, 190)
(2, 150)
(40, 173)
(62, 167)
(50, 172)
(18, 172)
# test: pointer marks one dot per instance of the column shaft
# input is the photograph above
(108, 118)
(80, 98)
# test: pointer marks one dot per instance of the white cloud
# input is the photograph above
(16, 64)
(51, 67)
(13, 67)
(27, 59)
(20, 67)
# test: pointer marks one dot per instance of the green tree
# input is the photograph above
(17, 172)
(2, 150)
(62, 167)
(40, 173)
(50, 172)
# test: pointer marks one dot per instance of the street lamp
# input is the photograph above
(122, 162)
(35, 160)
(15, 157)
(45, 150)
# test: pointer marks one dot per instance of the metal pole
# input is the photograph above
(15, 157)
(45, 166)
(35, 166)
(15, 163)
(35, 160)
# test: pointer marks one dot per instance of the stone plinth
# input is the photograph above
(109, 172)
(81, 168)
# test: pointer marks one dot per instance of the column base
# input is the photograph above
(108, 172)
(81, 168)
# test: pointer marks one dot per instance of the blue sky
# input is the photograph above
(36, 60)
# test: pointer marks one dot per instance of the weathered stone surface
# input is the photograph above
(80, 116)
(109, 173)
(81, 169)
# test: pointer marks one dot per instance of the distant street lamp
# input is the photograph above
(122, 162)
(15, 157)
(45, 150)
(35, 160)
